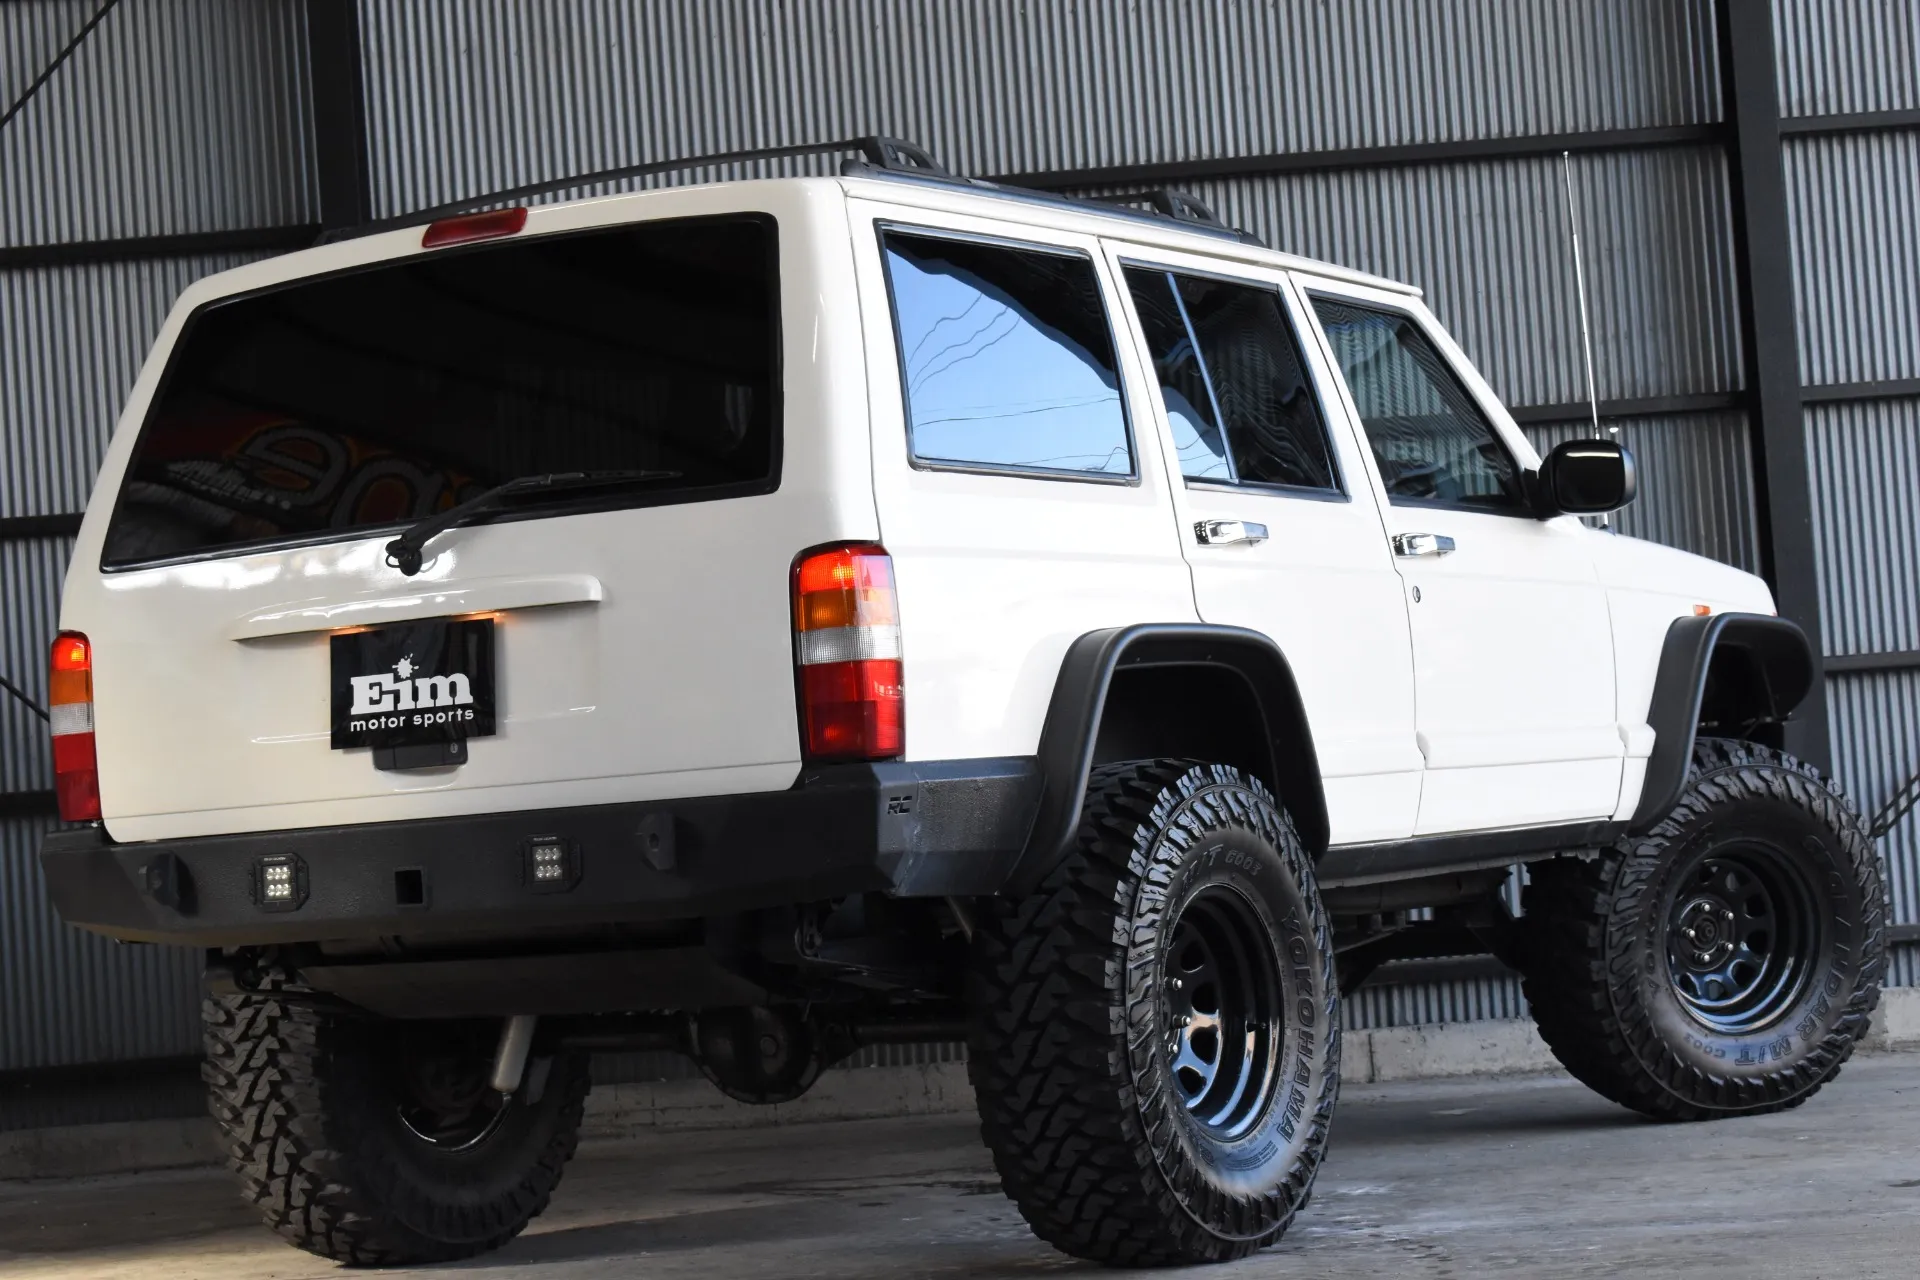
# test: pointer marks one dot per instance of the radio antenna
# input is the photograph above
(1580, 295)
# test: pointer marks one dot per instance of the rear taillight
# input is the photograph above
(76, 776)
(846, 632)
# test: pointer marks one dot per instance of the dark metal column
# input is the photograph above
(339, 113)
(1763, 267)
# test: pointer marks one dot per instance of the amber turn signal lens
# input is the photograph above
(846, 625)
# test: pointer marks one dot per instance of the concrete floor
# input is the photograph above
(1530, 1177)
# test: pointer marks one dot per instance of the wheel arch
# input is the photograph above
(1739, 674)
(1109, 676)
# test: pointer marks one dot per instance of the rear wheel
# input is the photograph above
(1726, 962)
(382, 1143)
(1155, 1049)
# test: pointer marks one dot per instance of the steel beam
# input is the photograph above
(339, 113)
(1532, 146)
(1763, 269)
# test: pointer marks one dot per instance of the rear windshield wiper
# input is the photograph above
(404, 552)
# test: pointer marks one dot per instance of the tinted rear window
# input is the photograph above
(377, 397)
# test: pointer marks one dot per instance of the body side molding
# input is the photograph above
(1348, 865)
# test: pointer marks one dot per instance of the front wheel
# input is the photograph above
(381, 1143)
(1155, 1048)
(1726, 962)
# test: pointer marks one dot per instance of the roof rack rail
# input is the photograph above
(1181, 206)
(894, 155)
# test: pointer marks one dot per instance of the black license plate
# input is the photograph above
(413, 683)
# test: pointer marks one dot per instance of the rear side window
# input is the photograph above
(1234, 382)
(1006, 357)
(1432, 443)
(376, 397)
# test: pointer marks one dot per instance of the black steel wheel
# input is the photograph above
(1226, 1001)
(1744, 932)
(1156, 1044)
(441, 1084)
(382, 1144)
(1724, 963)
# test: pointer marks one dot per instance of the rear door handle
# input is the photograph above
(1215, 533)
(1422, 544)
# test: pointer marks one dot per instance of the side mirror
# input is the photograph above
(1585, 478)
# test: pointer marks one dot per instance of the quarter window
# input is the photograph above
(1235, 386)
(1006, 357)
(1428, 436)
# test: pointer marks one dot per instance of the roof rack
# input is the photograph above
(892, 155)
(879, 156)
(1181, 206)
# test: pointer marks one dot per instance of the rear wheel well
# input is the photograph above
(1163, 690)
(1189, 712)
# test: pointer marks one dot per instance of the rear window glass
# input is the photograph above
(377, 397)
(1006, 357)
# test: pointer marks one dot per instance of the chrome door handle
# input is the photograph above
(1422, 544)
(1216, 533)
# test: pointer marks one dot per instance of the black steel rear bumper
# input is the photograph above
(912, 829)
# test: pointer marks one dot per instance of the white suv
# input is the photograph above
(769, 618)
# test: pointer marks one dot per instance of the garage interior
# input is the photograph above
(1743, 173)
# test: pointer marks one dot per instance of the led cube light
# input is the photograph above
(551, 864)
(279, 882)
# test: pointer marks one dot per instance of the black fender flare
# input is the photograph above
(1780, 652)
(1072, 727)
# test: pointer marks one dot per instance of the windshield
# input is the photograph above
(380, 397)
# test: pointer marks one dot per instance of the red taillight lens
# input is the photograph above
(76, 774)
(474, 226)
(847, 643)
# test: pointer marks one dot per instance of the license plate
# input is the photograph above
(413, 683)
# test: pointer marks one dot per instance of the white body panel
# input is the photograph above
(999, 573)
(1512, 643)
(1648, 586)
(641, 653)
(1323, 586)
(647, 653)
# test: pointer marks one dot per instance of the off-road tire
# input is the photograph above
(1091, 1137)
(1596, 934)
(307, 1117)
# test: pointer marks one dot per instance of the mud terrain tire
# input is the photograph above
(1726, 962)
(1155, 1045)
(311, 1116)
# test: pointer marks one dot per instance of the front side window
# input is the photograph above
(1432, 443)
(341, 404)
(1234, 382)
(1006, 357)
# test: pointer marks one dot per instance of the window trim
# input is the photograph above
(560, 505)
(1341, 490)
(1523, 510)
(1130, 478)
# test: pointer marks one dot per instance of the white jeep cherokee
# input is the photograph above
(769, 618)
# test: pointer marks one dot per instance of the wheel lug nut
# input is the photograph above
(1186, 1019)
(1175, 983)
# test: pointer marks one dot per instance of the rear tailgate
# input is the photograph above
(298, 413)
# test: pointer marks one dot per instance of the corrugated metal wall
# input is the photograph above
(1842, 56)
(191, 116)
(1487, 241)
(181, 116)
(1851, 199)
(471, 96)
(173, 117)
